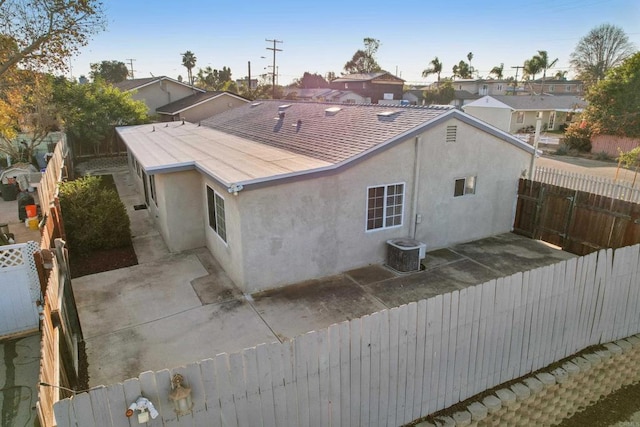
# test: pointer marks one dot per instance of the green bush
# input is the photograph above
(562, 150)
(578, 138)
(93, 215)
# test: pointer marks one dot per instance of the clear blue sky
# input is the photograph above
(321, 36)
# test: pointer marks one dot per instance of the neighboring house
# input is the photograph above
(381, 86)
(416, 97)
(462, 98)
(243, 82)
(200, 106)
(325, 95)
(514, 114)
(483, 87)
(282, 192)
(157, 91)
(554, 87)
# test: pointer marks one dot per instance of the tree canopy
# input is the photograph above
(92, 110)
(434, 68)
(311, 81)
(614, 104)
(462, 70)
(604, 47)
(442, 95)
(110, 71)
(364, 60)
(189, 62)
(213, 79)
(43, 33)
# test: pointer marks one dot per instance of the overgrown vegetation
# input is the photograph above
(577, 136)
(94, 217)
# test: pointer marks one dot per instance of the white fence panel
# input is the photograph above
(396, 365)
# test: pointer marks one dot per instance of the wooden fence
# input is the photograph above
(590, 184)
(394, 366)
(612, 145)
(577, 221)
(60, 325)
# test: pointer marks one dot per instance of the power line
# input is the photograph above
(515, 81)
(273, 78)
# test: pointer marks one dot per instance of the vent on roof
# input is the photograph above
(255, 104)
(451, 133)
(284, 107)
(387, 113)
(332, 111)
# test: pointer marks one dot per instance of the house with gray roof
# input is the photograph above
(157, 91)
(282, 191)
(199, 106)
(378, 87)
(516, 114)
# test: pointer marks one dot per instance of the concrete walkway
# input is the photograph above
(174, 309)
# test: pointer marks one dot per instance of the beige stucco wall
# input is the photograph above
(315, 228)
(180, 210)
(211, 108)
(497, 117)
(161, 93)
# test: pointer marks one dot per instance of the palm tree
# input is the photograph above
(532, 67)
(560, 75)
(189, 62)
(470, 57)
(435, 68)
(462, 70)
(545, 64)
(498, 71)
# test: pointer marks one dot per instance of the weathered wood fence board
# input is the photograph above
(396, 365)
(577, 221)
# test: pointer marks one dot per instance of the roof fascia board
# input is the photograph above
(204, 101)
(159, 79)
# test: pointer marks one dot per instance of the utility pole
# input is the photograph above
(249, 76)
(515, 83)
(131, 66)
(273, 77)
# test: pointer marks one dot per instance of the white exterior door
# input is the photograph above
(18, 311)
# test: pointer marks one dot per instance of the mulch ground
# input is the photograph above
(104, 260)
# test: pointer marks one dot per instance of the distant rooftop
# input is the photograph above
(193, 100)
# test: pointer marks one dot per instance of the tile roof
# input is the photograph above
(330, 137)
(192, 100)
(541, 102)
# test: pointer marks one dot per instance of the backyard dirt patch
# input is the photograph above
(105, 260)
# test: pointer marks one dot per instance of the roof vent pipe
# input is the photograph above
(281, 115)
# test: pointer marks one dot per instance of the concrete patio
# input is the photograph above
(174, 309)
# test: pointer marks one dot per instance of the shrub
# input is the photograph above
(94, 216)
(578, 137)
(562, 150)
(603, 156)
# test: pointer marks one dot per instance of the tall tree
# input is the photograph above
(613, 103)
(91, 111)
(604, 47)
(442, 95)
(462, 70)
(213, 79)
(435, 68)
(469, 58)
(532, 67)
(364, 60)
(109, 71)
(189, 62)
(545, 64)
(498, 71)
(560, 75)
(312, 81)
(44, 33)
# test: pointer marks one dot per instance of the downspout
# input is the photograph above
(416, 180)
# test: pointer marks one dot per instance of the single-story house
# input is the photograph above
(555, 87)
(378, 87)
(282, 192)
(516, 114)
(325, 95)
(157, 91)
(200, 106)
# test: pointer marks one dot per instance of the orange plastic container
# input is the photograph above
(31, 211)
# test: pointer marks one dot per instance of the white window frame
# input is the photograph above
(469, 186)
(519, 114)
(499, 88)
(385, 206)
(552, 88)
(152, 189)
(219, 217)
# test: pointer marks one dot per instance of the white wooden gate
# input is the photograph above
(19, 289)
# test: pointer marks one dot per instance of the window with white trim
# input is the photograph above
(385, 205)
(465, 186)
(520, 117)
(499, 88)
(217, 221)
